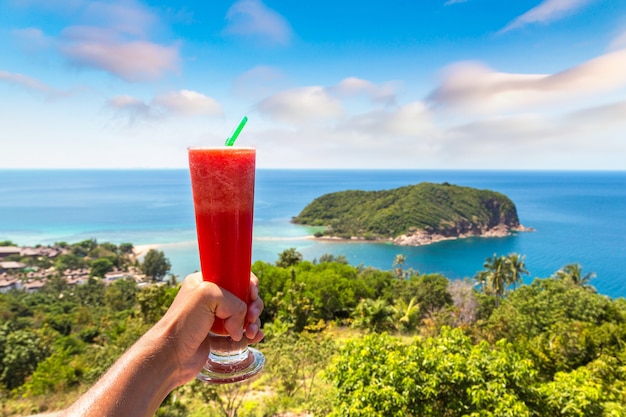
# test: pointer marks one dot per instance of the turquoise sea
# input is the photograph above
(578, 216)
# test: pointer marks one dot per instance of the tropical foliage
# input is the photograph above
(442, 208)
(347, 341)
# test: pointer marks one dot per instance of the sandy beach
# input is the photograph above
(141, 250)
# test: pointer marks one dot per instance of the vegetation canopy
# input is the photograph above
(444, 209)
(343, 341)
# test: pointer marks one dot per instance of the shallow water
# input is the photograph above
(578, 216)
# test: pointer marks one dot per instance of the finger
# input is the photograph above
(192, 280)
(252, 329)
(255, 309)
(257, 338)
(233, 311)
(254, 287)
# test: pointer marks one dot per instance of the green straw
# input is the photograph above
(231, 140)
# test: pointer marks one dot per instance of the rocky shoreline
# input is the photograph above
(423, 237)
(419, 237)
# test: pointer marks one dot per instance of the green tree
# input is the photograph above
(288, 257)
(59, 372)
(398, 266)
(23, 350)
(430, 291)
(69, 261)
(154, 301)
(294, 307)
(121, 295)
(332, 287)
(100, 267)
(329, 257)
(273, 281)
(82, 249)
(373, 316)
(126, 248)
(560, 325)
(406, 315)
(496, 276)
(516, 269)
(574, 394)
(91, 293)
(296, 359)
(574, 273)
(56, 285)
(155, 265)
(481, 279)
(378, 375)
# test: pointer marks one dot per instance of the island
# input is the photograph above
(412, 215)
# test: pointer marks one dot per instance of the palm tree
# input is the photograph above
(373, 315)
(517, 268)
(481, 279)
(574, 274)
(496, 275)
(406, 315)
(398, 264)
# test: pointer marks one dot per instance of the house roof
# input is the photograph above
(10, 250)
(12, 265)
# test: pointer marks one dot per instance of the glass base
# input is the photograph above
(221, 370)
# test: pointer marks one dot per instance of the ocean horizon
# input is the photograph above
(578, 216)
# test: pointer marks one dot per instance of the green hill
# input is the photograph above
(412, 215)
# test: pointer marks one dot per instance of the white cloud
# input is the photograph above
(259, 81)
(124, 17)
(350, 137)
(254, 20)
(409, 120)
(31, 84)
(134, 109)
(547, 11)
(32, 39)
(384, 93)
(619, 42)
(476, 118)
(606, 115)
(188, 103)
(110, 36)
(131, 61)
(301, 105)
(524, 140)
(176, 103)
(477, 88)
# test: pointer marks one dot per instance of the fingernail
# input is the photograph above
(238, 335)
(253, 328)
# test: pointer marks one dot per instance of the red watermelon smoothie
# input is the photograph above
(222, 181)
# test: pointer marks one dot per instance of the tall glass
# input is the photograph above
(222, 182)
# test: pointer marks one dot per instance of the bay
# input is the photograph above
(578, 216)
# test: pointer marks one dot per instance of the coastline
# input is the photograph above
(421, 238)
(141, 250)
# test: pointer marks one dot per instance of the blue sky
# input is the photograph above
(475, 84)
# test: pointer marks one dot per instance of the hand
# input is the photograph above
(185, 327)
(172, 352)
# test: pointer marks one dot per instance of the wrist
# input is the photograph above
(157, 347)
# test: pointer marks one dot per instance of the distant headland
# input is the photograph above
(412, 215)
